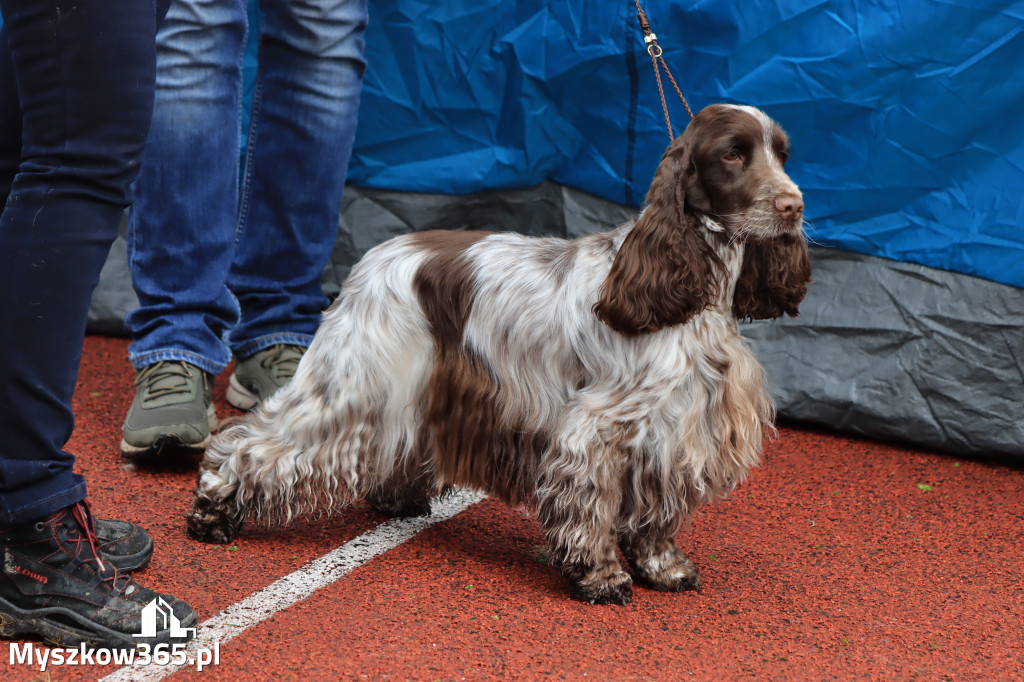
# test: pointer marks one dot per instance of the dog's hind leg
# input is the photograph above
(297, 453)
(216, 515)
(347, 418)
(300, 451)
(405, 493)
(341, 424)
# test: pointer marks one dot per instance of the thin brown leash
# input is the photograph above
(653, 49)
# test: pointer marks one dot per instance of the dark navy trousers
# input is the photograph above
(76, 100)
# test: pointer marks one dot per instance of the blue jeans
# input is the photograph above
(224, 265)
(76, 95)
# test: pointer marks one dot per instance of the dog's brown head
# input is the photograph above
(722, 179)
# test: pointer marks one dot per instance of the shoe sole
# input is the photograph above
(171, 442)
(238, 396)
(72, 628)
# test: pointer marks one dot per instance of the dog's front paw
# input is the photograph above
(603, 587)
(668, 572)
(212, 522)
(678, 579)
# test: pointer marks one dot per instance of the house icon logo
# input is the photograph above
(157, 614)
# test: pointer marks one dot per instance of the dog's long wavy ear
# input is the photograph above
(773, 280)
(664, 273)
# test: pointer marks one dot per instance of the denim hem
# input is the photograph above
(40, 508)
(140, 360)
(256, 345)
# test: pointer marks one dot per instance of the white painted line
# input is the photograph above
(294, 587)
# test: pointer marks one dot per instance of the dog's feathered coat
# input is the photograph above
(602, 380)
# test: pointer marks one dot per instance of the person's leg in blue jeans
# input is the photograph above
(301, 131)
(251, 286)
(181, 230)
(77, 86)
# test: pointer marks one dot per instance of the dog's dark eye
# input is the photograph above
(732, 156)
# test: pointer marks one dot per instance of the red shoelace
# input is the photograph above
(86, 542)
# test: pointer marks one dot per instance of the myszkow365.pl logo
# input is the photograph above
(157, 615)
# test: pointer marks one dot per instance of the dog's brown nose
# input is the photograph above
(789, 206)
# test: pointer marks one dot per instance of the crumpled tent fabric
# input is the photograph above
(902, 351)
(905, 117)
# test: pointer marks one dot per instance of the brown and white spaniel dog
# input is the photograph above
(602, 380)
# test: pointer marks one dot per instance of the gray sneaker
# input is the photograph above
(173, 408)
(257, 377)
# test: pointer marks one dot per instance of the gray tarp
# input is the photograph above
(881, 348)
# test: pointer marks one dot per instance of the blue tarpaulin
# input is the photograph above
(906, 117)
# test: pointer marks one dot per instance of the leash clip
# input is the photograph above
(653, 48)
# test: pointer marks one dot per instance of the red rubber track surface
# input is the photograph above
(839, 558)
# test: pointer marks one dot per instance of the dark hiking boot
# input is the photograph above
(56, 585)
(173, 408)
